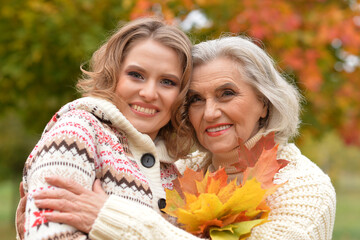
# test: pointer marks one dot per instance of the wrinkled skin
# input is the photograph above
(77, 206)
(20, 212)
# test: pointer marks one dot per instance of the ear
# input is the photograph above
(265, 110)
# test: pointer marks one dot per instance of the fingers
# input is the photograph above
(56, 204)
(66, 183)
(20, 216)
(62, 217)
(22, 204)
(97, 188)
(57, 193)
(68, 218)
(21, 190)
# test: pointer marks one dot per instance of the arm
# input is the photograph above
(122, 219)
(67, 149)
(105, 217)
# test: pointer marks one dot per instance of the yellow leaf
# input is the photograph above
(207, 207)
(174, 201)
(201, 185)
(248, 196)
(190, 220)
(189, 198)
(226, 192)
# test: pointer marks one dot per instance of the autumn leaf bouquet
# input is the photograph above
(211, 206)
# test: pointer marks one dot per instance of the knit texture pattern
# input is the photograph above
(123, 220)
(302, 208)
(88, 139)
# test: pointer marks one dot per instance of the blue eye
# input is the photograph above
(168, 82)
(135, 75)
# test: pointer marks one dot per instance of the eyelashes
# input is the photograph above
(194, 98)
(166, 82)
(135, 75)
(221, 96)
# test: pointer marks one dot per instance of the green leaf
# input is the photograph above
(234, 231)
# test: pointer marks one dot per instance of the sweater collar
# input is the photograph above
(162, 151)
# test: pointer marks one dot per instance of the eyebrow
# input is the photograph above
(226, 85)
(192, 92)
(171, 76)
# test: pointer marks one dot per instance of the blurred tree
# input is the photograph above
(43, 43)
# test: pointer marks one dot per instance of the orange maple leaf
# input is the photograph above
(260, 161)
(210, 202)
(210, 206)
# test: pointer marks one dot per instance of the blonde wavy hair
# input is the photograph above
(105, 65)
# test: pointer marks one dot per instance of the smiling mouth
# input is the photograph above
(149, 111)
(217, 129)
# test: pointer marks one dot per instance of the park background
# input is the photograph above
(316, 43)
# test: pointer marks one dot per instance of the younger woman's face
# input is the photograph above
(149, 83)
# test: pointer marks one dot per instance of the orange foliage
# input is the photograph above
(299, 34)
(211, 206)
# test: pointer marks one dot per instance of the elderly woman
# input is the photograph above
(235, 92)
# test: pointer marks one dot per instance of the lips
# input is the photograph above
(145, 109)
(217, 130)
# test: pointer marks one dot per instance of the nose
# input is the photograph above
(212, 111)
(149, 91)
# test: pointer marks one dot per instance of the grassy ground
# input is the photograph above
(348, 208)
(7, 205)
(346, 225)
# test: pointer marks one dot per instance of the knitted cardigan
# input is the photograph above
(87, 139)
(302, 208)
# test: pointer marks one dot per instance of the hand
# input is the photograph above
(20, 212)
(77, 206)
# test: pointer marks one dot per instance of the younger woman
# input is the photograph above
(119, 132)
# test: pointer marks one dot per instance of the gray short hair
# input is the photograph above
(258, 68)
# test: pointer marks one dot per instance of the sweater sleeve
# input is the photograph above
(122, 219)
(67, 149)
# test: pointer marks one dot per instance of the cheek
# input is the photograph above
(170, 99)
(192, 118)
(122, 89)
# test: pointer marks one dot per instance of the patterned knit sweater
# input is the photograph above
(302, 209)
(88, 139)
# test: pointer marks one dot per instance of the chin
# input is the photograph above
(220, 150)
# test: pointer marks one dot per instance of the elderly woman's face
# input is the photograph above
(223, 106)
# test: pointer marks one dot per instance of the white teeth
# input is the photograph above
(144, 110)
(216, 129)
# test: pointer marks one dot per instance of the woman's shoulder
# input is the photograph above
(90, 112)
(299, 167)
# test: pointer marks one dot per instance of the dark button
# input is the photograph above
(148, 160)
(162, 203)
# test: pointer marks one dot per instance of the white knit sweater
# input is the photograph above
(302, 209)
